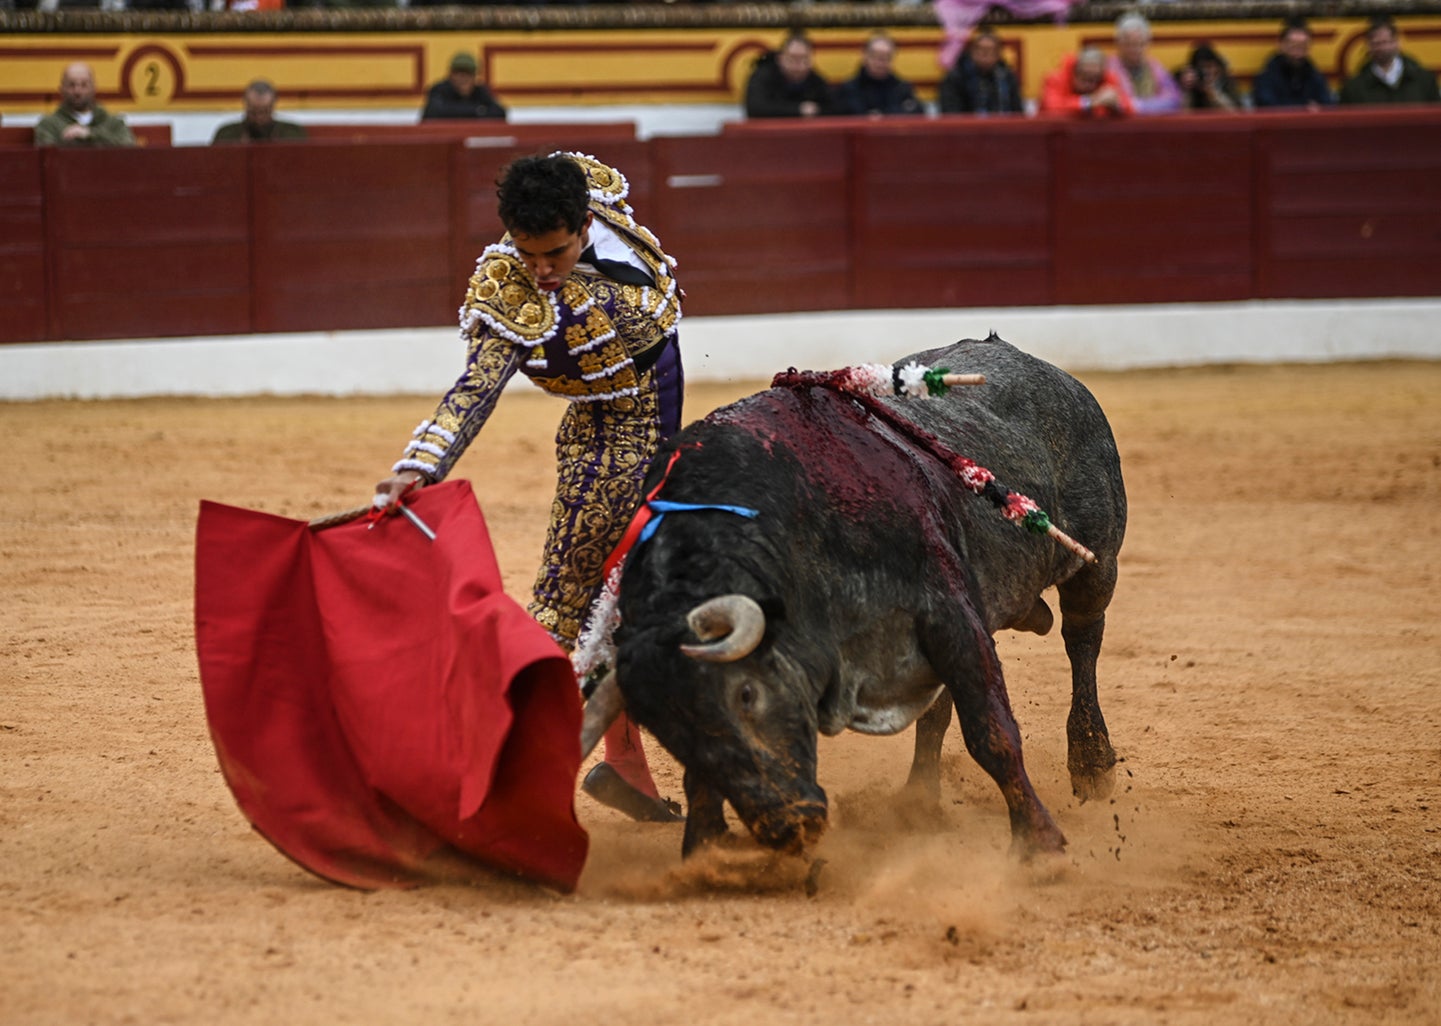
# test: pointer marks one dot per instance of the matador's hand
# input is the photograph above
(389, 491)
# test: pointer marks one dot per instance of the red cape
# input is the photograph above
(375, 697)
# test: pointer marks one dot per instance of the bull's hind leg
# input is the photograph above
(1089, 755)
(964, 656)
(925, 779)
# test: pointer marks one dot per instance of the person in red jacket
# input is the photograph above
(1082, 87)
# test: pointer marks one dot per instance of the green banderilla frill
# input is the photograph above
(935, 380)
(1037, 522)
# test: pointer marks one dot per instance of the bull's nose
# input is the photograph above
(793, 827)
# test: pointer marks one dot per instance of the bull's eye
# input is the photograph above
(747, 696)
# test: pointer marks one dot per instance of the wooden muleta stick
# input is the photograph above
(346, 516)
(336, 519)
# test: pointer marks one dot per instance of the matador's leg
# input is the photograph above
(603, 451)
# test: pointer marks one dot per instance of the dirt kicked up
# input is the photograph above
(1270, 675)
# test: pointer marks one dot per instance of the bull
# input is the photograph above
(865, 580)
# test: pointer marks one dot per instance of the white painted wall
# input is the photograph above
(427, 360)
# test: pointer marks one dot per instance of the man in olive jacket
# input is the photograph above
(79, 120)
(260, 123)
(1389, 76)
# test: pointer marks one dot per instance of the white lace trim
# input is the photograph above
(596, 645)
(437, 451)
(607, 372)
(426, 468)
(587, 346)
(430, 427)
(605, 396)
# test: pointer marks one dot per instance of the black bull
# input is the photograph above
(871, 579)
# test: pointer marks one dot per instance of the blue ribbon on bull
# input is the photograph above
(661, 507)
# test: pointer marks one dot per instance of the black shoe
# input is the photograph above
(605, 785)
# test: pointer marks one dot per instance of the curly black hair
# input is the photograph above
(540, 194)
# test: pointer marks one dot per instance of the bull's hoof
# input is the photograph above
(1093, 785)
(1044, 841)
(606, 786)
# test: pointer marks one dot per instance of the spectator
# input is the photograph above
(461, 95)
(785, 85)
(1289, 79)
(876, 90)
(1206, 82)
(1147, 84)
(579, 298)
(981, 82)
(1084, 87)
(79, 120)
(1389, 75)
(259, 123)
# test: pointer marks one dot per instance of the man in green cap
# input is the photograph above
(461, 95)
(79, 120)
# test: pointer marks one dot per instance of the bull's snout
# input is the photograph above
(791, 828)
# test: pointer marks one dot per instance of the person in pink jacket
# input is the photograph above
(1146, 82)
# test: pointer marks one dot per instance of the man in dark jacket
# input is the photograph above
(1389, 75)
(1290, 79)
(980, 82)
(876, 89)
(785, 85)
(461, 95)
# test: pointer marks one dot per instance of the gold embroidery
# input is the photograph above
(602, 178)
(504, 292)
(604, 451)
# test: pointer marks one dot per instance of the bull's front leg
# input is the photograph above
(705, 820)
(964, 655)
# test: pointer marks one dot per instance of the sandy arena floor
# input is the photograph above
(1273, 855)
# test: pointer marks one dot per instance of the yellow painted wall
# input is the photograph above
(343, 70)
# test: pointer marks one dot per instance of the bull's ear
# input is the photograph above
(605, 704)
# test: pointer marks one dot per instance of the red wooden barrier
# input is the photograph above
(22, 247)
(951, 212)
(759, 225)
(567, 135)
(146, 242)
(774, 217)
(1156, 211)
(1351, 204)
(350, 236)
(145, 135)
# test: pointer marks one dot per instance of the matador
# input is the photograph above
(580, 298)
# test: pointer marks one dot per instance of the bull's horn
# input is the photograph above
(731, 625)
(601, 710)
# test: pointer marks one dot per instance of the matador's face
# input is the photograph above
(551, 257)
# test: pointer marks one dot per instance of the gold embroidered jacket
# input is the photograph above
(579, 342)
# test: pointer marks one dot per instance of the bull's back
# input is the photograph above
(1042, 433)
(852, 489)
